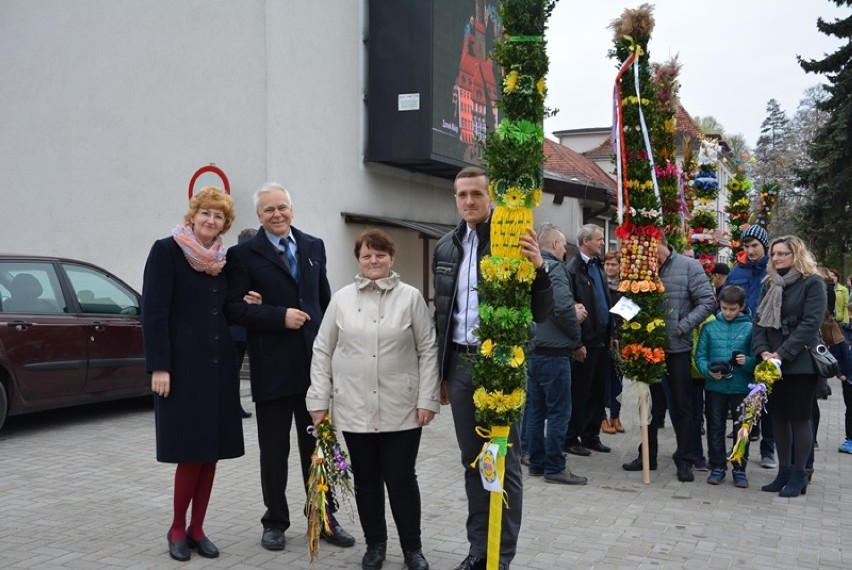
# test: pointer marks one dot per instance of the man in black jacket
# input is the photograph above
(455, 266)
(287, 267)
(590, 371)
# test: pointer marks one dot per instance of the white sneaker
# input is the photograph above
(768, 462)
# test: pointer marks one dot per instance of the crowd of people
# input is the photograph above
(373, 358)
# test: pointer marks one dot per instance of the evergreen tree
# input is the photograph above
(776, 158)
(775, 127)
(825, 213)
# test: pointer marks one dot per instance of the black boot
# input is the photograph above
(684, 471)
(780, 480)
(375, 556)
(796, 485)
(636, 464)
(414, 560)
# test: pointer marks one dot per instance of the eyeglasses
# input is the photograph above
(781, 253)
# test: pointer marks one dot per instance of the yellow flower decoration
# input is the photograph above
(514, 198)
(510, 82)
(518, 357)
(650, 327)
(487, 269)
(492, 193)
(498, 401)
(670, 125)
(535, 198)
(480, 398)
(541, 86)
(526, 272)
(487, 348)
(503, 270)
(635, 326)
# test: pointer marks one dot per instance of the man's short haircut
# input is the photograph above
(471, 172)
(546, 234)
(246, 234)
(265, 189)
(587, 232)
(733, 295)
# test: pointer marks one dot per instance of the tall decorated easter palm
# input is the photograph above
(635, 102)
(514, 158)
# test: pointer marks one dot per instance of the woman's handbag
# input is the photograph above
(830, 330)
(824, 361)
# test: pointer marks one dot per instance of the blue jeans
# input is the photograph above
(548, 397)
(717, 406)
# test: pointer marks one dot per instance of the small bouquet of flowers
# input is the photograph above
(765, 375)
(329, 471)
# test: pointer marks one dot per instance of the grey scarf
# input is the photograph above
(769, 309)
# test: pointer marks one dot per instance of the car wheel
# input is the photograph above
(4, 405)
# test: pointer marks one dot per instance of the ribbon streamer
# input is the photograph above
(618, 141)
(645, 133)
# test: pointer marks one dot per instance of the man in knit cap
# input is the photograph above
(748, 272)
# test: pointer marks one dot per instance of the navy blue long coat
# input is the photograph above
(185, 333)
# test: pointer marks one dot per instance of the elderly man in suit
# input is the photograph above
(287, 268)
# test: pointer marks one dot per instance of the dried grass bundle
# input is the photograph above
(636, 22)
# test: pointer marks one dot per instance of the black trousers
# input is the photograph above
(678, 370)
(382, 460)
(274, 420)
(589, 381)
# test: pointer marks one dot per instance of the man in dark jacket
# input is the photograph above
(287, 268)
(549, 370)
(591, 367)
(455, 266)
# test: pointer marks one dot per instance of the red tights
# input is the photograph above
(193, 483)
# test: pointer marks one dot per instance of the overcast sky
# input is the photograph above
(736, 55)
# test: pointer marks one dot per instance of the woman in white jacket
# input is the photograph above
(375, 365)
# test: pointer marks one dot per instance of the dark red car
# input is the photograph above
(69, 334)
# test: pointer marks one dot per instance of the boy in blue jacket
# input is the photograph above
(722, 357)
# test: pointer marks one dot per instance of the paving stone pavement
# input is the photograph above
(80, 488)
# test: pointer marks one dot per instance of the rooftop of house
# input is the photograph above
(571, 166)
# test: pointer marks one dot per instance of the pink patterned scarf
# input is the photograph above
(209, 260)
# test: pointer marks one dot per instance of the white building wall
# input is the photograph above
(108, 107)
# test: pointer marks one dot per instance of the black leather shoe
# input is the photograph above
(636, 465)
(579, 450)
(375, 556)
(338, 536)
(414, 560)
(684, 472)
(179, 549)
(273, 539)
(597, 446)
(475, 563)
(205, 547)
(471, 563)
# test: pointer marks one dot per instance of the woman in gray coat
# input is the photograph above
(791, 309)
